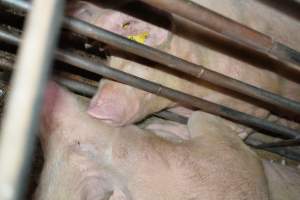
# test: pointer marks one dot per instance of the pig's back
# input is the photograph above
(262, 18)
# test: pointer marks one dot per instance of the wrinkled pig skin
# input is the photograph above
(119, 104)
(88, 159)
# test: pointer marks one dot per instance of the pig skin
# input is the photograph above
(283, 181)
(88, 159)
(131, 105)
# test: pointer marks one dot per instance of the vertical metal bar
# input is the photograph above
(22, 114)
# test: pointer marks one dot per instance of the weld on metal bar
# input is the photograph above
(234, 31)
(114, 74)
(89, 91)
(170, 61)
(20, 121)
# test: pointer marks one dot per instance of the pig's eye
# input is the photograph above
(126, 25)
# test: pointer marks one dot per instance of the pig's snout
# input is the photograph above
(114, 105)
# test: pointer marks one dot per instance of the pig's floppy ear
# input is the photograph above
(215, 133)
(58, 106)
(203, 124)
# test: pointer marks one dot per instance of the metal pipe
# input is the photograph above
(289, 153)
(21, 117)
(89, 91)
(173, 62)
(76, 86)
(284, 143)
(181, 65)
(6, 63)
(6, 60)
(236, 32)
(172, 116)
(114, 74)
(82, 62)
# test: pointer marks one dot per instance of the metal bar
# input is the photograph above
(236, 32)
(173, 62)
(181, 65)
(22, 114)
(101, 69)
(172, 116)
(6, 60)
(76, 86)
(89, 91)
(285, 152)
(6, 63)
(284, 143)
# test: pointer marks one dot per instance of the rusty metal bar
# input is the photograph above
(236, 32)
(172, 62)
(114, 74)
(29, 79)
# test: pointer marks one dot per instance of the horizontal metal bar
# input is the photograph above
(243, 118)
(6, 63)
(181, 65)
(174, 95)
(236, 32)
(21, 119)
(173, 62)
(6, 60)
(76, 86)
(89, 91)
(284, 143)
(287, 152)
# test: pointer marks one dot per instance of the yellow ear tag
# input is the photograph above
(140, 38)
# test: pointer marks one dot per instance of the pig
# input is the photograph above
(119, 104)
(283, 181)
(88, 159)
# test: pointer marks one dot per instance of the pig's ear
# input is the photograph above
(203, 124)
(169, 130)
(59, 107)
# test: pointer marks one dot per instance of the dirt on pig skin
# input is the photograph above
(119, 104)
(88, 159)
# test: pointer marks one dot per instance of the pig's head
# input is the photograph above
(117, 103)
